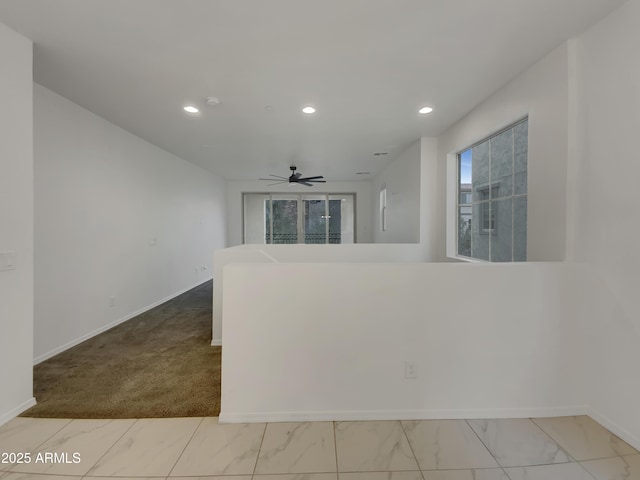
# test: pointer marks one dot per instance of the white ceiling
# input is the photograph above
(367, 65)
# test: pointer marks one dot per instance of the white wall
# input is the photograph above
(255, 218)
(565, 338)
(16, 223)
(402, 181)
(541, 92)
(235, 189)
(606, 228)
(115, 217)
(343, 351)
(299, 253)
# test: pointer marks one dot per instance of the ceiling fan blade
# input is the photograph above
(284, 179)
(295, 177)
(311, 178)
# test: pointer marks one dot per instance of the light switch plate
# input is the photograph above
(7, 261)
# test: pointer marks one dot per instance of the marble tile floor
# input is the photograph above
(563, 448)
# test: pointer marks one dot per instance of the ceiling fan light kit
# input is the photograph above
(294, 178)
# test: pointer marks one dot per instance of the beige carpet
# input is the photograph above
(158, 364)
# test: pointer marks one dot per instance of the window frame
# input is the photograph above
(300, 201)
(453, 197)
(383, 207)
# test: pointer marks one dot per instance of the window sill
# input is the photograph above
(467, 259)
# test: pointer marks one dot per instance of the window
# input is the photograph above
(383, 208)
(299, 218)
(492, 197)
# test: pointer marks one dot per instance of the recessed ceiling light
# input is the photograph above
(309, 110)
(191, 109)
(425, 110)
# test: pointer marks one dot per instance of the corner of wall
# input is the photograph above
(430, 192)
(402, 180)
(16, 218)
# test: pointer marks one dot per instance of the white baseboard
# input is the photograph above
(73, 343)
(216, 342)
(610, 425)
(13, 413)
(402, 414)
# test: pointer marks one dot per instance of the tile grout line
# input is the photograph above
(335, 447)
(264, 434)
(113, 445)
(48, 476)
(54, 434)
(411, 448)
(185, 447)
(488, 449)
(587, 470)
(616, 454)
(10, 467)
(573, 460)
(108, 421)
(392, 471)
(460, 469)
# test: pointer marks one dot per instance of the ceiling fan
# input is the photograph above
(295, 178)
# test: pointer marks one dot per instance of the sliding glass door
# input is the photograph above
(315, 219)
(279, 218)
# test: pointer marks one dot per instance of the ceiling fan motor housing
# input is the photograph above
(294, 177)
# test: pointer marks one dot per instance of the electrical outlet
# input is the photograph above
(7, 261)
(410, 370)
(112, 301)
